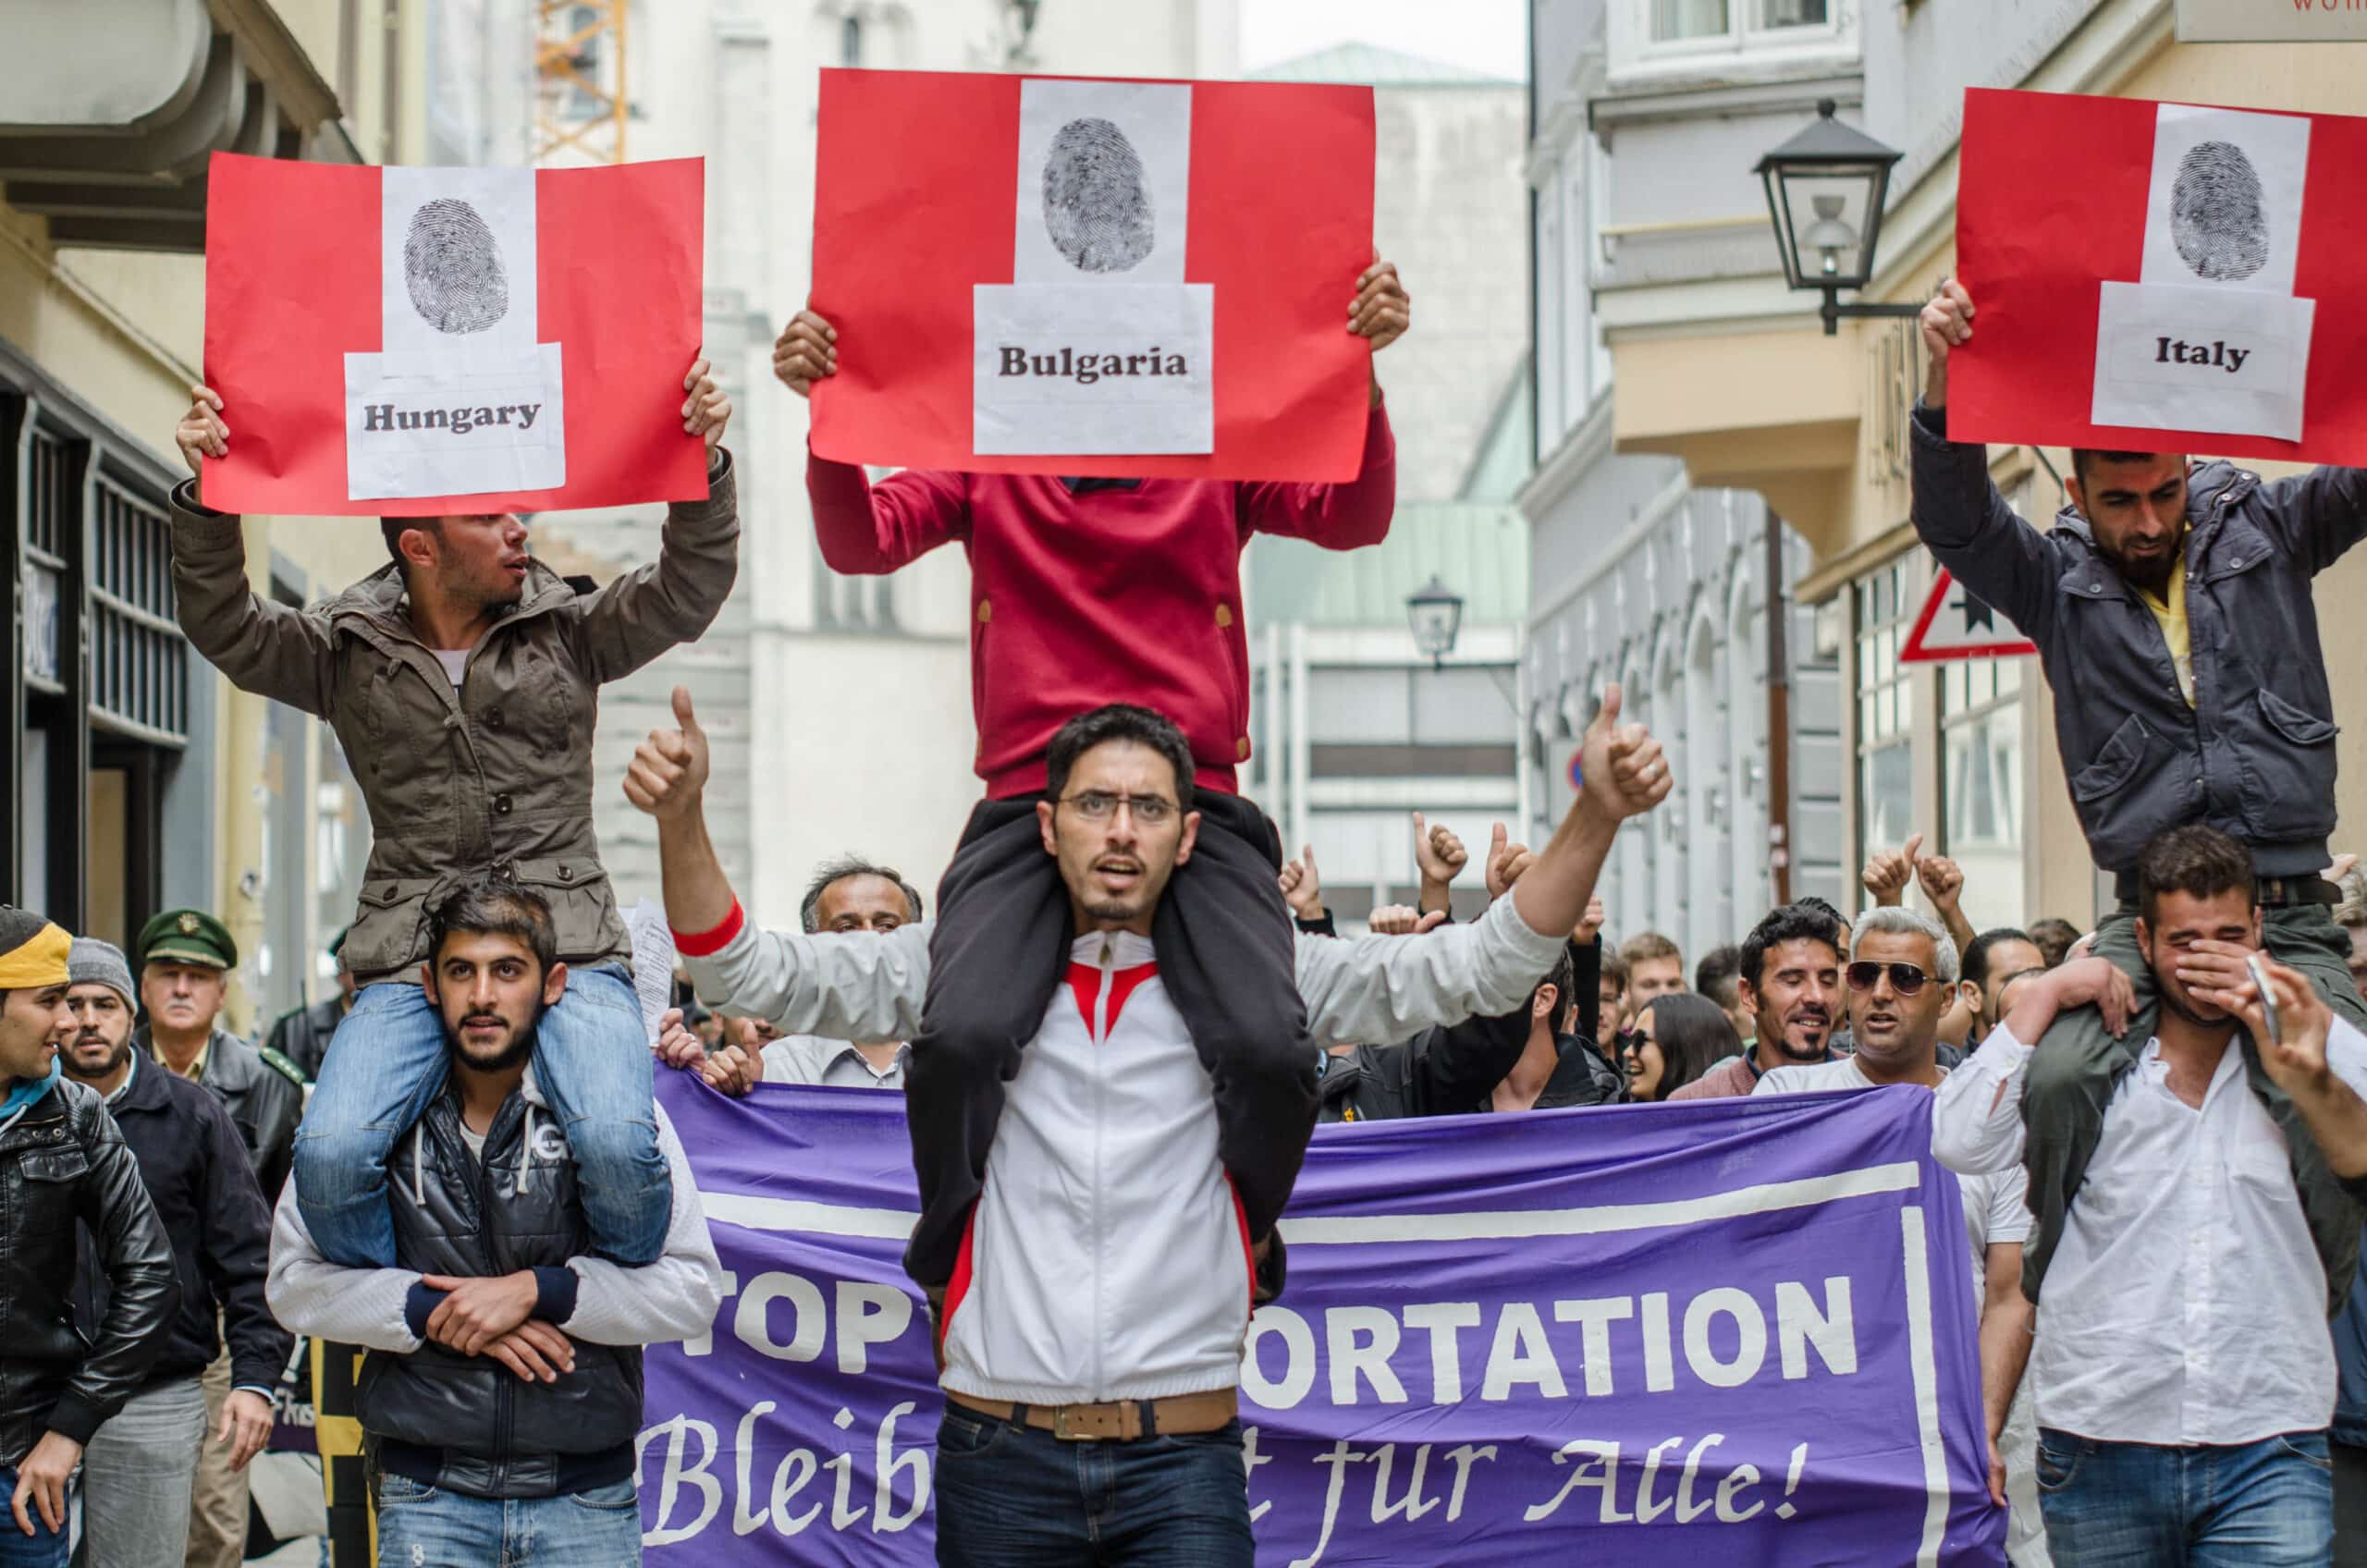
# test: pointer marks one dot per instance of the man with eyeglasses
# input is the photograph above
(2183, 1370)
(1901, 976)
(1107, 1253)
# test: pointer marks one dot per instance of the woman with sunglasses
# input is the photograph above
(1674, 1039)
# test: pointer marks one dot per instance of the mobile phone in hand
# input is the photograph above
(2267, 997)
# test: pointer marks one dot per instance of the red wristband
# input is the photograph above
(703, 944)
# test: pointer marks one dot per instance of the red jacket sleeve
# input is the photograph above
(1338, 517)
(868, 530)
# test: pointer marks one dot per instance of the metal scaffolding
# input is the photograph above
(579, 100)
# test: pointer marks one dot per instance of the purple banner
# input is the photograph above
(1731, 1331)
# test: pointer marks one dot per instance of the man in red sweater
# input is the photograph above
(1086, 591)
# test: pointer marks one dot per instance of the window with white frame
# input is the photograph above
(1648, 32)
(1981, 786)
(1883, 601)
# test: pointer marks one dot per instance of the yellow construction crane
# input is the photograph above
(580, 102)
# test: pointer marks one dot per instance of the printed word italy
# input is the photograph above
(1085, 368)
(2178, 351)
(377, 417)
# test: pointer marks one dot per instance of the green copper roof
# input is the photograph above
(1382, 67)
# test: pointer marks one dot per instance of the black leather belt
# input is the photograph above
(2272, 892)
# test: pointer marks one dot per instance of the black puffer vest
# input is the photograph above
(497, 1435)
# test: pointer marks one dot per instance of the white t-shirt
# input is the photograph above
(1994, 1208)
(454, 660)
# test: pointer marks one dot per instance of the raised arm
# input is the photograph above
(1342, 517)
(263, 645)
(676, 597)
(856, 986)
(1388, 989)
(1977, 1114)
(864, 529)
(1955, 508)
(2317, 515)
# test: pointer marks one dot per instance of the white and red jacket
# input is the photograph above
(1107, 1258)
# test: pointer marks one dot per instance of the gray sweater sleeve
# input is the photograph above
(842, 986)
(1383, 989)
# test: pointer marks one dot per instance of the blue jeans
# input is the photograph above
(43, 1549)
(387, 1065)
(2268, 1504)
(1014, 1496)
(427, 1528)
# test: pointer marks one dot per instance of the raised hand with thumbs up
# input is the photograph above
(669, 770)
(1888, 871)
(1621, 772)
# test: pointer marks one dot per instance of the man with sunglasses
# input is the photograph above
(2184, 1373)
(1790, 983)
(1901, 977)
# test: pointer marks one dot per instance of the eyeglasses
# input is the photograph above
(1100, 805)
(1905, 978)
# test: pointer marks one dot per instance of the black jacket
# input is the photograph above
(197, 1175)
(62, 1162)
(302, 1035)
(1445, 1072)
(265, 1101)
(468, 1424)
(1583, 1075)
(2254, 756)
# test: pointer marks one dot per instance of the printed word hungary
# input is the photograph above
(459, 422)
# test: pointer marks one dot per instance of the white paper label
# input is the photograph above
(2232, 362)
(454, 422)
(1093, 368)
(1105, 181)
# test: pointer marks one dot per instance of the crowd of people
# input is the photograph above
(1127, 988)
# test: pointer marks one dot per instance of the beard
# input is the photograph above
(520, 1045)
(69, 1051)
(2150, 573)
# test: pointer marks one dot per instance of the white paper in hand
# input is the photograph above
(653, 964)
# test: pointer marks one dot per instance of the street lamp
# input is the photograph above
(1435, 613)
(1825, 189)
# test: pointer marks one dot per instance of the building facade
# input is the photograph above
(1353, 728)
(1675, 587)
(139, 778)
(1718, 366)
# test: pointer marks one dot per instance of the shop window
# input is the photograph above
(1981, 786)
(1883, 602)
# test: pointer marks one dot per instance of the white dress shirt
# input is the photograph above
(2185, 1303)
(810, 1058)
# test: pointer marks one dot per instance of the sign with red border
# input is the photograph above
(1955, 624)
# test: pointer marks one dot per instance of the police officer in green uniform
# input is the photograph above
(184, 957)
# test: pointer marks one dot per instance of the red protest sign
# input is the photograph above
(2159, 277)
(1157, 274)
(411, 341)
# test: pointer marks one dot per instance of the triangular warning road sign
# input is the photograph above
(1956, 625)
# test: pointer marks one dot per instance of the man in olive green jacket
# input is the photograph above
(462, 679)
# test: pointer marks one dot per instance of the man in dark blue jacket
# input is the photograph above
(2172, 609)
(140, 1469)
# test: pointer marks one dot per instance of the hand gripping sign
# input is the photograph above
(1029, 271)
(416, 340)
(2162, 286)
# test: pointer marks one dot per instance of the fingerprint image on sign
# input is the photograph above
(2217, 219)
(452, 268)
(1095, 207)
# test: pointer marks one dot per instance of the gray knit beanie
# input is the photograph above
(93, 962)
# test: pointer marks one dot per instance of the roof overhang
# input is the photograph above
(110, 144)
